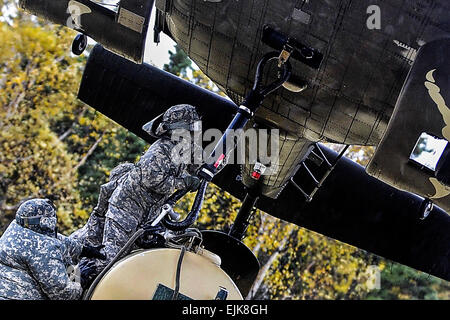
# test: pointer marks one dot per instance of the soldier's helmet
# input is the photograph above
(180, 116)
(38, 215)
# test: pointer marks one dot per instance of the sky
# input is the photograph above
(157, 54)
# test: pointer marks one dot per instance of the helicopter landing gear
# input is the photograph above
(79, 44)
(243, 217)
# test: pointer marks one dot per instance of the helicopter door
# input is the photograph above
(414, 153)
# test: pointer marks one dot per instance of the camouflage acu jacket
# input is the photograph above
(146, 187)
(33, 266)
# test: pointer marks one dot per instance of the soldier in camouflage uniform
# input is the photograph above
(34, 258)
(92, 232)
(135, 193)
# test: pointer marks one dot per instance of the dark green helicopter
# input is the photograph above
(367, 73)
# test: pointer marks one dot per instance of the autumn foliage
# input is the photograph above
(52, 145)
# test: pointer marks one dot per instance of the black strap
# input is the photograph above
(177, 278)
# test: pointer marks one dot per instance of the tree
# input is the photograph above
(51, 144)
(37, 87)
(179, 62)
(401, 282)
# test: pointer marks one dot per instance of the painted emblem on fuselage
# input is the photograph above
(76, 9)
(434, 92)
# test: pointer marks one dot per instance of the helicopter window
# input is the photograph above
(428, 150)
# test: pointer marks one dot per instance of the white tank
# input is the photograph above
(151, 274)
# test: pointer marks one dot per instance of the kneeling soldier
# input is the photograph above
(34, 258)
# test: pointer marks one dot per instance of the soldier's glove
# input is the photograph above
(192, 182)
(93, 252)
(88, 272)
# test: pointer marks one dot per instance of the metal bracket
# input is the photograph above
(301, 52)
(285, 54)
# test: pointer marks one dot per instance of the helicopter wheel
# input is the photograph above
(79, 44)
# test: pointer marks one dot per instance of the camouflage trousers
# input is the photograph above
(112, 233)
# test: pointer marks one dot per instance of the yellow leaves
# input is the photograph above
(16, 80)
(83, 121)
(94, 135)
(47, 41)
(323, 268)
(42, 144)
(36, 90)
(81, 213)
